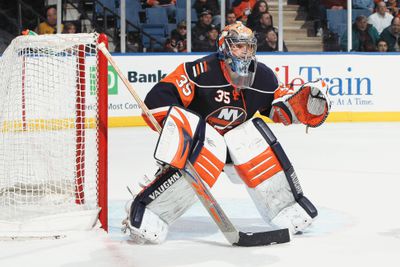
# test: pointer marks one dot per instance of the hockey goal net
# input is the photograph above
(53, 134)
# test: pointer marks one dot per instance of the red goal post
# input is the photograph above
(53, 134)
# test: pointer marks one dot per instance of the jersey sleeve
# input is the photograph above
(267, 81)
(175, 89)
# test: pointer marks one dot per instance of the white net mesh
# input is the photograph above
(48, 141)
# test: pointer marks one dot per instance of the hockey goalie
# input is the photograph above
(206, 108)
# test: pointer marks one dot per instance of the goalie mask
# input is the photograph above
(237, 48)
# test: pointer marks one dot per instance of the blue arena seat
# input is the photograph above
(358, 12)
(110, 4)
(156, 16)
(133, 7)
(170, 28)
(182, 3)
(180, 14)
(335, 17)
(155, 30)
(194, 15)
(341, 29)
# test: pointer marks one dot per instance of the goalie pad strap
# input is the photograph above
(308, 206)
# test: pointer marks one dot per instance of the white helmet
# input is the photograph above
(237, 47)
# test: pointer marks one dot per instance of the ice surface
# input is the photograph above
(349, 170)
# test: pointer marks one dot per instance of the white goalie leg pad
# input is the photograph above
(152, 230)
(180, 131)
(157, 206)
(294, 217)
(272, 183)
(276, 204)
(232, 175)
(173, 201)
(209, 155)
(169, 195)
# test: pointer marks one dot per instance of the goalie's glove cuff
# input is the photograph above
(309, 104)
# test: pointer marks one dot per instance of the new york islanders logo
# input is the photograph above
(226, 118)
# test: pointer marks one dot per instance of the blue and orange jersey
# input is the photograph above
(202, 86)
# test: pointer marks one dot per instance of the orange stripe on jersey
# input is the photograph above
(182, 84)
(197, 69)
(225, 71)
(259, 169)
(205, 66)
(244, 102)
(208, 166)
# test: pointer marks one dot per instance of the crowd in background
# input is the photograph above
(378, 32)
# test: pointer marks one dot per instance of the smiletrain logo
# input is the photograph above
(346, 84)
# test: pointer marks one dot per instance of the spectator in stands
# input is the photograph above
(364, 4)
(264, 23)
(314, 10)
(269, 42)
(180, 32)
(199, 32)
(259, 8)
(381, 19)
(210, 44)
(50, 25)
(69, 27)
(242, 9)
(382, 46)
(169, 5)
(177, 41)
(174, 45)
(230, 17)
(211, 5)
(392, 35)
(364, 36)
(334, 4)
(393, 7)
(134, 42)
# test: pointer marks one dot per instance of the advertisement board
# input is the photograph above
(361, 86)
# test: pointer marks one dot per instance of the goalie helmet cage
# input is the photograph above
(53, 135)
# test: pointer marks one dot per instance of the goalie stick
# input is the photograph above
(234, 236)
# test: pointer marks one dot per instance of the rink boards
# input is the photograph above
(361, 84)
(362, 87)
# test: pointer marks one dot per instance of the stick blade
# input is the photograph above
(263, 238)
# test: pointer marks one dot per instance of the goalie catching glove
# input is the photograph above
(308, 105)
